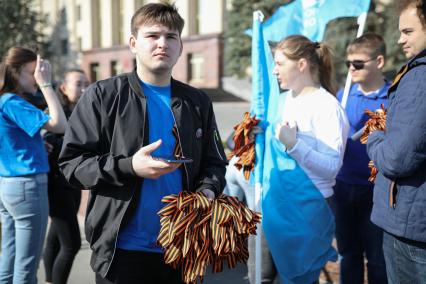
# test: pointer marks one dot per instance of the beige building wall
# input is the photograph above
(98, 33)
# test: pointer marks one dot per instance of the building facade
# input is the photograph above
(93, 34)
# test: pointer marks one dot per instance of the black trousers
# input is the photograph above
(63, 240)
(138, 267)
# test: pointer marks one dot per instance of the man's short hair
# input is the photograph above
(370, 43)
(157, 13)
(401, 5)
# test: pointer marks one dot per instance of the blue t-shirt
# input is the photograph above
(22, 149)
(142, 231)
(355, 162)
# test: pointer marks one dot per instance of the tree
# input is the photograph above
(382, 20)
(238, 45)
(339, 33)
(18, 25)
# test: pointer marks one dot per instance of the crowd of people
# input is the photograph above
(50, 153)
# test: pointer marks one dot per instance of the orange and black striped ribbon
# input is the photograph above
(244, 149)
(177, 151)
(377, 121)
(196, 232)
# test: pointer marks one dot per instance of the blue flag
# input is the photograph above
(264, 83)
(310, 17)
(297, 221)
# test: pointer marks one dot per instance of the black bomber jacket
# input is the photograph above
(108, 125)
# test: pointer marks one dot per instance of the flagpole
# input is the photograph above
(258, 16)
(361, 24)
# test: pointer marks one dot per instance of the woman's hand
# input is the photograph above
(286, 134)
(43, 73)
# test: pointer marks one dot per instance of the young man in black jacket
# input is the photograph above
(116, 134)
(399, 153)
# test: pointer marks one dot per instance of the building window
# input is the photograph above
(138, 4)
(115, 68)
(117, 22)
(194, 17)
(96, 24)
(78, 12)
(79, 44)
(195, 67)
(64, 46)
(94, 72)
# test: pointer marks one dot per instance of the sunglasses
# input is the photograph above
(357, 64)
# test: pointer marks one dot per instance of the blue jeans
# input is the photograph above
(356, 235)
(405, 260)
(24, 211)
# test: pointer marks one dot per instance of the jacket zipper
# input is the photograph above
(121, 219)
(116, 235)
(181, 148)
(216, 138)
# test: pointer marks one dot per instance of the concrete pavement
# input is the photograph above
(228, 114)
(81, 273)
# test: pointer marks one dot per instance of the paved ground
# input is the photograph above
(81, 272)
(228, 114)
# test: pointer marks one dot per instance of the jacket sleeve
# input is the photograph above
(213, 164)
(82, 160)
(401, 150)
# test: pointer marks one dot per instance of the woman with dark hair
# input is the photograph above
(63, 239)
(23, 162)
(309, 140)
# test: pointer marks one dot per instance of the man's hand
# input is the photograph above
(209, 194)
(144, 165)
(286, 134)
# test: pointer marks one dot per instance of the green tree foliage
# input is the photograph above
(381, 19)
(239, 19)
(18, 25)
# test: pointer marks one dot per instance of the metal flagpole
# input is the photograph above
(258, 254)
(258, 15)
(361, 23)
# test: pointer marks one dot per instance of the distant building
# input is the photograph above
(93, 34)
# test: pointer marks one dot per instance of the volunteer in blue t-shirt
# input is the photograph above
(23, 162)
(353, 194)
(121, 140)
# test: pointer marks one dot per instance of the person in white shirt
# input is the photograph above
(314, 126)
(309, 141)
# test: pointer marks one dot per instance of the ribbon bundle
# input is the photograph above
(196, 232)
(377, 121)
(244, 149)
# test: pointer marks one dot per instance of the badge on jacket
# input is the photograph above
(199, 133)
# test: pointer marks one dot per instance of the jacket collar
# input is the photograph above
(419, 59)
(381, 93)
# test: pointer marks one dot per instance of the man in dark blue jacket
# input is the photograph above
(399, 154)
